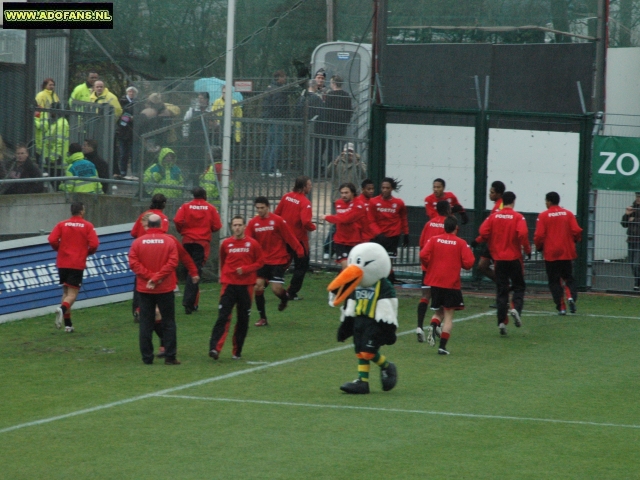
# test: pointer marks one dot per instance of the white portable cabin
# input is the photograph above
(353, 62)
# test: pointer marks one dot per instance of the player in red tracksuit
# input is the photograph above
(295, 209)
(240, 259)
(183, 257)
(365, 197)
(158, 202)
(557, 232)
(443, 256)
(74, 239)
(196, 221)
(274, 235)
(348, 220)
(153, 257)
(388, 220)
(438, 194)
(507, 235)
(484, 264)
(433, 227)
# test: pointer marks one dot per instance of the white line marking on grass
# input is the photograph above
(196, 384)
(401, 410)
(594, 315)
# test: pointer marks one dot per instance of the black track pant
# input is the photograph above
(557, 271)
(191, 290)
(231, 295)
(167, 307)
(509, 275)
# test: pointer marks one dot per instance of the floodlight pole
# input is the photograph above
(228, 109)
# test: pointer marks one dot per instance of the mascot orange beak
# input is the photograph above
(345, 283)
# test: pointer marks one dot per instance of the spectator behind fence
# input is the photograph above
(165, 172)
(631, 221)
(48, 98)
(194, 133)
(275, 107)
(82, 92)
(218, 109)
(55, 142)
(127, 150)
(153, 117)
(90, 150)
(101, 94)
(22, 167)
(3, 171)
(338, 112)
(78, 166)
(346, 168)
(311, 102)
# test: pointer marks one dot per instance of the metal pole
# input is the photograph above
(228, 109)
(597, 104)
(330, 20)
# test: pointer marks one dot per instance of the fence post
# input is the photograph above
(378, 141)
(480, 171)
(586, 203)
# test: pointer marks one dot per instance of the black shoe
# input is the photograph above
(283, 303)
(503, 328)
(389, 377)
(493, 305)
(572, 305)
(171, 361)
(189, 310)
(443, 351)
(356, 387)
(147, 362)
(214, 354)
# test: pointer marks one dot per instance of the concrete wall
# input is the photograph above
(29, 215)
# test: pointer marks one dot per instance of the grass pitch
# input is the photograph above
(556, 398)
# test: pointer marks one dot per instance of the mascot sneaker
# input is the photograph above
(356, 387)
(389, 377)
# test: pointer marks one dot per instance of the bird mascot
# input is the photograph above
(370, 313)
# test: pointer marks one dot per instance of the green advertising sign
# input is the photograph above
(615, 164)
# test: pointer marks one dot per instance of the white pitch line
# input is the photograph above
(201, 382)
(402, 410)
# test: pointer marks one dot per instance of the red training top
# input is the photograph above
(138, 229)
(196, 221)
(431, 201)
(295, 209)
(557, 232)
(154, 256)
(365, 226)
(273, 234)
(348, 219)
(388, 217)
(498, 205)
(433, 227)
(506, 232)
(242, 253)
(443, 256)
(74, 239)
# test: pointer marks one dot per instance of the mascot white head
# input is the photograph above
(367, 263)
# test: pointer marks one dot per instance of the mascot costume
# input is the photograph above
(370, 314)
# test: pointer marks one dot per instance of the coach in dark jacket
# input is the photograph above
(275, 107)
(23, 167)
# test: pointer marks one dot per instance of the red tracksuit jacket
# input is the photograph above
(273, 234)
(295, 209)
(196, 221)
(557, 232)
(433, 227)
(431, 201)
(244, 253)
(348, 220)
(388, 217)
(366, 232)
(154, 256)
(506, 232)
(74, 239)
(443, 256)
(138, 229)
